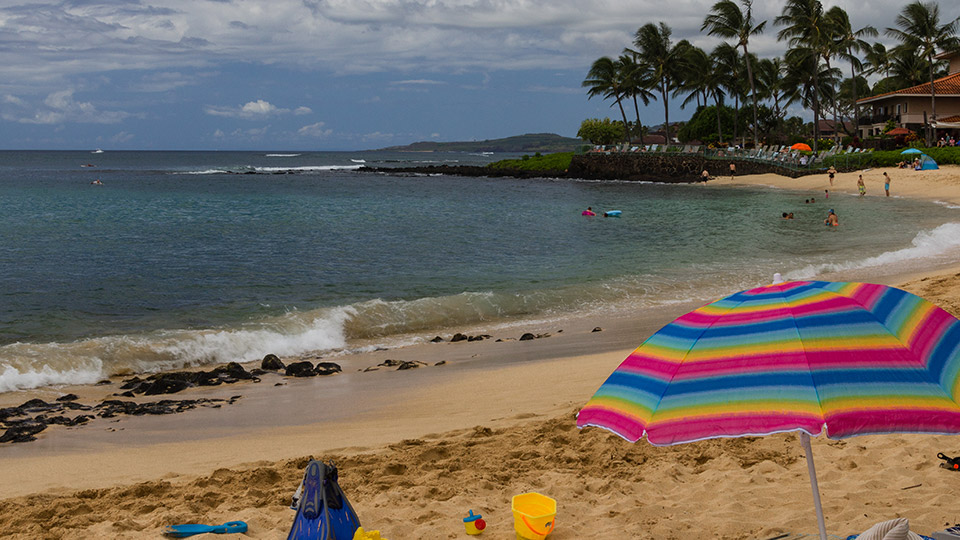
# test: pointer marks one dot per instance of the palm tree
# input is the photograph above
(847, 43)
(810, 77)
(636, 85)
(666, 62)
(920, 29)
(770, 86)
(728, 62)
(802, 21)
(728, 21)
(695, 80)
(877, 59)
(605, 78)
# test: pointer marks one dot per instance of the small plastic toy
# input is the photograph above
(474, 523)
(534, 516)
(952, 463)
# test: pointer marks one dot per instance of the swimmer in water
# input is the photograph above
(831, 219)
(588, 212)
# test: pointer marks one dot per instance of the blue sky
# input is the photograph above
(324, 74)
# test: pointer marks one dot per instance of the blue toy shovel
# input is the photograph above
(190, 529)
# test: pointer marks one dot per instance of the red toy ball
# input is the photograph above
(480, 524)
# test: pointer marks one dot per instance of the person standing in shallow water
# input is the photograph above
(861, 187)
(886, 183)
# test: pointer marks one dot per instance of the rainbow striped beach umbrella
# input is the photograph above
(807, 356)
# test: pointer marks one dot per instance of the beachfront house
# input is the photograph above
(910, 107)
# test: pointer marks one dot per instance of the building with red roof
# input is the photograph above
(910, 107)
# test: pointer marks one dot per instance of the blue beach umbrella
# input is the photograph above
(911, 151)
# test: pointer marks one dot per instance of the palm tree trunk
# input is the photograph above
(816, 105)
(856, 106)
(666, 111)
(636, 109)
(626, 125)
(736, 116)
(933, 105)
(753, 92)
(716, 100)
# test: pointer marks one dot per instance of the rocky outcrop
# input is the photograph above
(663, 167)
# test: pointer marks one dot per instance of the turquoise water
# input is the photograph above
(187, 258)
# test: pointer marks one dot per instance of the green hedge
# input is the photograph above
(550, 162)
(944, 156)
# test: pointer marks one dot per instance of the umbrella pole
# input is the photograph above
(805, 441)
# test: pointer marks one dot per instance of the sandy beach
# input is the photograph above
(477, 423)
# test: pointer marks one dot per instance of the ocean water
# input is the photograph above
(189, 258)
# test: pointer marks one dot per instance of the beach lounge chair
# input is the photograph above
(653, 147)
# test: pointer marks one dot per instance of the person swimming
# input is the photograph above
(831, 219)
(588, 212)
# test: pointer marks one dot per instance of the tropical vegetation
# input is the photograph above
(827, 66)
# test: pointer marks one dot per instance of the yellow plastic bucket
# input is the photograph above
(533, 516)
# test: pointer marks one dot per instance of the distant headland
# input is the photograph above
(530, 142)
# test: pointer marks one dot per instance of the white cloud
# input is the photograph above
(122, 137)
(253, 110)
(417, 82)
(314, 130)
(60, 107)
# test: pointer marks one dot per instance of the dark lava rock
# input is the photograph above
(459, 337)
(437, 339)
(390, 363)
(300, 369)
(527, 337)
(271, 362)
(409, 365)
(440, 363)
(104, 382)
(597, 329)
(327, 368)
(165, 384)
(23, 433)
(68, 397)
(35, 405)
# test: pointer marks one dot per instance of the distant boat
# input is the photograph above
(97, 151)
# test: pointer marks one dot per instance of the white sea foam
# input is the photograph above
(30, 365)
(358, 160)
(307, 168)
(12, 378)
(281, 155)
(205, 171)
(941, 242)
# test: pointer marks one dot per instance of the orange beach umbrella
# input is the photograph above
(801, 146)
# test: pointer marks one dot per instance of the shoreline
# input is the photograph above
(409, 454)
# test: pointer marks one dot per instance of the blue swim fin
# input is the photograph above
(323, 513)
(190, 529)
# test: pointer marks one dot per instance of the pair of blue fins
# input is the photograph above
(323, 511)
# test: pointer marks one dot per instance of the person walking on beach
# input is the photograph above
(886, 183)
(861, 187)
(704, 176)
(733, 170)
(831, 171)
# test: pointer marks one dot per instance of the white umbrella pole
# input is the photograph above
(805, 441)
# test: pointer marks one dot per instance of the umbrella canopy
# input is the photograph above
(854, 358)
(801, 146)
(899, 131)
(911, 151)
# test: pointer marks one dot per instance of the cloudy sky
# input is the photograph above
(325, 74)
